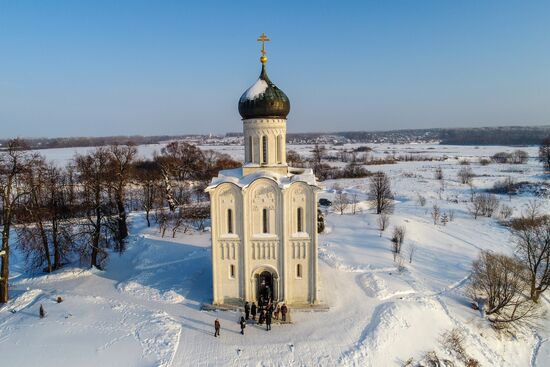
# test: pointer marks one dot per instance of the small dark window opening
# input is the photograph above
(299, 270)
(265, 221)
(229, 221)
(232, 271)
(264, 148)
(299, 219)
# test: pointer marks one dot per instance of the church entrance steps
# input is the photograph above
(294, 308)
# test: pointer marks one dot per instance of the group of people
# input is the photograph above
(266, 311)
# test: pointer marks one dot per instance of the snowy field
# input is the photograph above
(144, 309)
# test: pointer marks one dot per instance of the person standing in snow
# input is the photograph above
(247, 310)
(216, 328)
(276, 313)
(253, 311)
(268, 321)
(243, 324)
(284, 310)
(42, 313)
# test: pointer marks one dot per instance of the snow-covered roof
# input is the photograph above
(256, 90)
(236, 177)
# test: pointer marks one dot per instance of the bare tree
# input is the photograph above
(505, 212)
(354, 201)
(178, 219)
(162, 218)
(497, 287)
(13, 163)
(465, 175)
(397, 240)
(294, 159)
(444, 219)
(532, 238)
(533, 209)
(318, 153)
(148, 176)
(383, 222)
(421, 200)
(436, 214)
(519, 156)
(380, 191)
(44, 217)
(341, 202)
(483, 204)
(476, 206)
(93, 169)
(121, 158)
(438, 173)
(179, 161)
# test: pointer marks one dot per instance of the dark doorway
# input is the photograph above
(264, 284)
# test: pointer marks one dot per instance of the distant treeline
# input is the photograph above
(509, 135)
(73, 142)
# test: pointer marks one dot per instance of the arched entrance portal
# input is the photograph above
(265, 285)
(264, 288)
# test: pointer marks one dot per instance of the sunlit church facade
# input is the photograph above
(264, 214)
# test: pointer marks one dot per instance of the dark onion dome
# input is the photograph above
(264, 99)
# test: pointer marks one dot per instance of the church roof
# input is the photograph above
(235, 176)
(264, 99)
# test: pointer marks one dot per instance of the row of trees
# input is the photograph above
(82, 208)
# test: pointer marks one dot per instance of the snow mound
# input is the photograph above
(60, 275)
(397, 324)
(135, 288)
(337, 262)
(375, 286)
(159, 337)
(23, 301)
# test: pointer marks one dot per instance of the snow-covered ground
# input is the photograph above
(144, 309)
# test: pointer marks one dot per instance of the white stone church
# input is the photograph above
(264, 214)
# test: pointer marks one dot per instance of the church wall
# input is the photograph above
(227, 249)
(300, 255)
(262, 249)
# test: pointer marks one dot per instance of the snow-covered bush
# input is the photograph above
(465, 175)
(398, 237)
(498, 287)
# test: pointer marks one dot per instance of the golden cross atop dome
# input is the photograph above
(263, 39)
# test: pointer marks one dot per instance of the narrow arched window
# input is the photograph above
(250, 149)
(299, 271)
(232, 271)
(264, 149)
(229, 221)
(265, 221)
(279, 149)
(299, 220)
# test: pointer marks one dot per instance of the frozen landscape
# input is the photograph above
(144, 309)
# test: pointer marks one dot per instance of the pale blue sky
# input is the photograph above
(172, 67)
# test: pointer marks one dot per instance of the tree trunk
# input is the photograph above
(122, 226)
(5, 269)
(46, 245)
(56, 249)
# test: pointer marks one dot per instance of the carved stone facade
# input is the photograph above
(264, 215)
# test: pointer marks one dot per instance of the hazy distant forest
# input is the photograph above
(511, 135)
